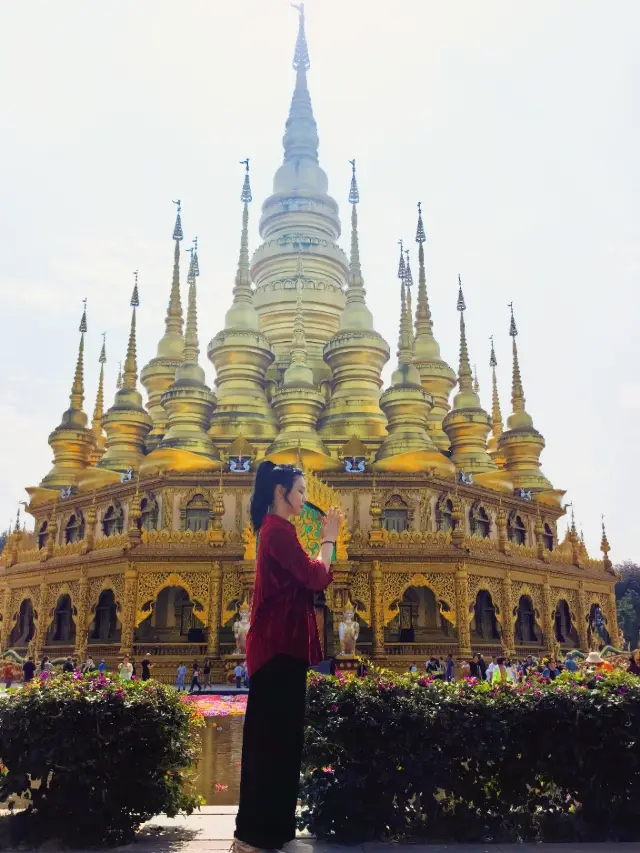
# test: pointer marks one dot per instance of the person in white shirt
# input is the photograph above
(126, 669)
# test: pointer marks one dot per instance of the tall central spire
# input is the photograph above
(299, 217)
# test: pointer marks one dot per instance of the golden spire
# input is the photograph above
(127, 421)
(467, 424)
(356, 356)
(188, 402)
(241, 356)
(424, 325)
(119, 377)
(496, 414)
(521, 444)
(98, 412)
(71, 441)
(476, 384)
(356, 314)
(300, 213)
(77, 389)
(436, 375)
(408, 446)
(242, 314)
(159, 373)
(408, 278)
(130, 375)
(298, 402)
(605, 548)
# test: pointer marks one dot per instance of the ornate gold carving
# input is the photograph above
(150, 584)
(167, 509)
(462, 610)
(250, 542)
(121, 540)
(129, 612)
(395, 584)
(414, 539)
(232, 592)
(361, 595)
(206, 538)
(82, 607)
(426, 496)
(377, 613)
(215, 602)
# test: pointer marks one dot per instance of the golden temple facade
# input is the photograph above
(142, 541)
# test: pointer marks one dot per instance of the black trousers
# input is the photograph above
(272, 753)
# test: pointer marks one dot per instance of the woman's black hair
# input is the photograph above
(268, 476)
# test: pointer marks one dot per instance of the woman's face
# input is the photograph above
(297, 497)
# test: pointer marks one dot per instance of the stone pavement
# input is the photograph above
(211, 829)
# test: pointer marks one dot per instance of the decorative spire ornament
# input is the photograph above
(71, 441)
(241, 355)
(476, 384)
(437, 378)
(98, 412)
(496, 414)
(160, 372)
(521, 444)
(356, 356)
(119, 377)
(467, 424)
(408, 278)
(127, 422)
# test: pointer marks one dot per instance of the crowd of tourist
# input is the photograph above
(504, 669)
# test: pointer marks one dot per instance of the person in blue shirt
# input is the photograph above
(450, 668)
(570, 665)
(102, 667)
(182, 674)
(551, 670)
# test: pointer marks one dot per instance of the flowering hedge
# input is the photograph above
(387, 756)
(106, 756)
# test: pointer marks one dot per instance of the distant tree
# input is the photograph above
(628, 601)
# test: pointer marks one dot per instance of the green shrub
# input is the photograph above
(388, 755)
(95, 757)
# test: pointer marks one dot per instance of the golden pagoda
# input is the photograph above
(450, 544)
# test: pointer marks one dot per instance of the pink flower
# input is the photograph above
(328, 770)
(333, 708)
(220, 787)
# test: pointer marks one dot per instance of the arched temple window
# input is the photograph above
(43, 534)
(113, 521)
(149, 513)
(525, 629)
(517, 530)
(485, 622)
(63, 629)
(197, 514)
(74, 530)
(597, 631)
(105, 623)
(479, 522)
(25, 628)
(419, 618)
(395, 515)
(562, 623)
(547, 537)
(444, 515)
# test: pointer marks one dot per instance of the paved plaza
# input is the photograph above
(212, 829)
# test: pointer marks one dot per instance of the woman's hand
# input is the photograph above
(331, 523)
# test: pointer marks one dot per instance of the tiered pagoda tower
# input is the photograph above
(142, 526)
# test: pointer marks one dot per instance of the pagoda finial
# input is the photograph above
(604, 543)
(77, 388)
(408, 277)
(173, 320)
(245, 195)
(241, 314)
(301, 55)
(355, 289)
(464, 372)
(496, 414)
(119, 377)
(191, 345)
(405, 336)
(424, 324)
(517, 392)
(476, 384)
(130, 374)
(401, 267)
(98, 412)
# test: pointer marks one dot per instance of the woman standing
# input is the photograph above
(281, 644)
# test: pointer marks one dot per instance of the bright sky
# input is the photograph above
(511, 122)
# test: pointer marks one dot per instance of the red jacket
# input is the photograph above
(282, 614)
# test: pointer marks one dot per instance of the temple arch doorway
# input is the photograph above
(527, 631)
(565, 632)
(484, 625)
(25, 628)
(62, 628)
(419, 618)
(173, 617)
(105, 626)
